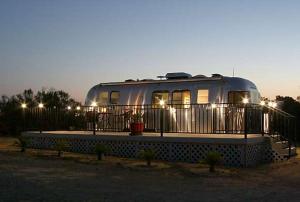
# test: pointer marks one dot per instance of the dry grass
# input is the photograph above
(7, 145)
(39, 175)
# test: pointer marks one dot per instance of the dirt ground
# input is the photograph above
(42, 176)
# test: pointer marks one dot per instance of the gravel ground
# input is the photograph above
(41, 176)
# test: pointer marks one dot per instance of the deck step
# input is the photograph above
(284, 144)
(293, 151)
(286, 152)
(275, 137)
(282, 147)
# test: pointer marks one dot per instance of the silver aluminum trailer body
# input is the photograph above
(140, 92)
(196, 119)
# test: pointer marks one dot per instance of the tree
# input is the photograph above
(292, 107)
(289, 105)
(55, 99)
(11, 120)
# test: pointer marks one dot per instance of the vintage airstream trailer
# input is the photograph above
(189, 99)
(177, 88)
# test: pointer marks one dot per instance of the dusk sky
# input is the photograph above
(73, 45)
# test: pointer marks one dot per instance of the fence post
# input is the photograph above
(213, 119)
(94, 121)
(246, 121)
(41, 119)
(161, 122)
(295, 131)
(23, 118)
(262, 121)
(289, 136)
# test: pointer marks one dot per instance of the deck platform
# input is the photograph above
(234, 148)
(185, 137)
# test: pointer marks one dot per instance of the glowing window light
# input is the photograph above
(213, 106)
(69, 107)
(172, 110)
(162, 103)
(245, 100)
(103, 110)
(24, 105)
(78, 108)
(262, 103)
(274, 105)
(41, 105)
(270, 104)
(94, 104)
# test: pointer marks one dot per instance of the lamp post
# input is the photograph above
(69, 117)
(246, 101)
(162, 107)
(77, 118)
(23, 106)
(94, 105)
(41, 106)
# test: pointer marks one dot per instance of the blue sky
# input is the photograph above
(72, 45)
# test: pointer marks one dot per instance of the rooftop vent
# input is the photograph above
(200, 76)
(216, 75)
(178, 75)
(129, 80)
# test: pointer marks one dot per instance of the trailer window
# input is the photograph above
(181, 99)
(202, 97)
(115, 97)
(103, 98)
(236, 97)
(159, 95)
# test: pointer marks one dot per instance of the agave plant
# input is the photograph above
(212, 159)
(60, 146)
(148, 155)
(22, 143)
(101, 150)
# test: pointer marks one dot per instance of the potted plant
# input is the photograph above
(137, 125)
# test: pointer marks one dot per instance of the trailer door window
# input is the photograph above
(181, 99)
(236, 97)
(159, 95)
(103, 98)
(115, 97)
(202, 97)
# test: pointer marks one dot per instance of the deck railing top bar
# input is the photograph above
(280, 112)
(192, 104)
(217, 105)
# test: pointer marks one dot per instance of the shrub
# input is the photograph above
(137, 118)
(60, 146)
(148, 155)
(22, 143)
(101, 150)
(212, 159)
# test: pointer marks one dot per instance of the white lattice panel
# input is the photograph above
(232, 154)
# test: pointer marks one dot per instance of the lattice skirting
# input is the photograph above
(234, 155)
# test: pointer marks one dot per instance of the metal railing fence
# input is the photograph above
(188, 118)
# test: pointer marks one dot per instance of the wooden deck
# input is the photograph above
(235, 149)
(179, 137)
